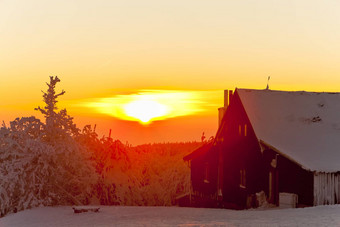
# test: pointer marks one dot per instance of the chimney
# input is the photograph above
(230, 96)
(226, 99)
(222, 110)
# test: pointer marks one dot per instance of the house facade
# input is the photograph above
(272, 141)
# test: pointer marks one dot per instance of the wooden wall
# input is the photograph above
(294, 179)
(326, 188)
(291, 178)
(198, 172)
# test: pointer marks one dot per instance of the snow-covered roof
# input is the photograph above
(303, 125)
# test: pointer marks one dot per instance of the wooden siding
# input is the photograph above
(290, 177)
(294, 179)
(326, 188)
(204, 180)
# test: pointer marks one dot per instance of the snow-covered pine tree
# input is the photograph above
(58, 124)
(43, 164)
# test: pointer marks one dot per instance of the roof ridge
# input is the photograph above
(298, 91)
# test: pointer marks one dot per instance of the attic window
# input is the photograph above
(245, 129)
(189, 163)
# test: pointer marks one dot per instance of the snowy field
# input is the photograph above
(174, 216)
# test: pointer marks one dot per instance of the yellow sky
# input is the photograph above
(105, 48)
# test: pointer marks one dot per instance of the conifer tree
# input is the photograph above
(57, 124)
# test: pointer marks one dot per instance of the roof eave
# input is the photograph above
(282, 154)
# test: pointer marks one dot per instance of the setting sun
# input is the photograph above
(146, 106)
(145, 110)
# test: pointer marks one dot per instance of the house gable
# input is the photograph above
(241, 154)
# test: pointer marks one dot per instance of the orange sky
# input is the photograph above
(108, 49)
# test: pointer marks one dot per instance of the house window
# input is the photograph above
(242, 178)
(189, 163)
(245, 129)
(239, 130)
(206, 173)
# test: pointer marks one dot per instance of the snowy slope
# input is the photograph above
(174, 216)
(303, 125)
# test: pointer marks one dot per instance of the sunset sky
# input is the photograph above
(119, 58)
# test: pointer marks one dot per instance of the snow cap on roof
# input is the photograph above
(303, 125)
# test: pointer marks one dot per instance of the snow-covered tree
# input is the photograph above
(58, 125)
(43, 164)
(54, 163)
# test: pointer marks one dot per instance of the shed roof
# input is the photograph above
(198, 152)
(303, 125)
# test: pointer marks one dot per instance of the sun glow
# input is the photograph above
(145, 110)
(146, 106)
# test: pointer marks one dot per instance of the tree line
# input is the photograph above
(56, 163)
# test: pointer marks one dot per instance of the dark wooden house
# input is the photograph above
(280, 143)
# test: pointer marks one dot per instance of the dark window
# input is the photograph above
(206, 173)
(242, 178)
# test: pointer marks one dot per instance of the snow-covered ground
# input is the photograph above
(174, 216)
